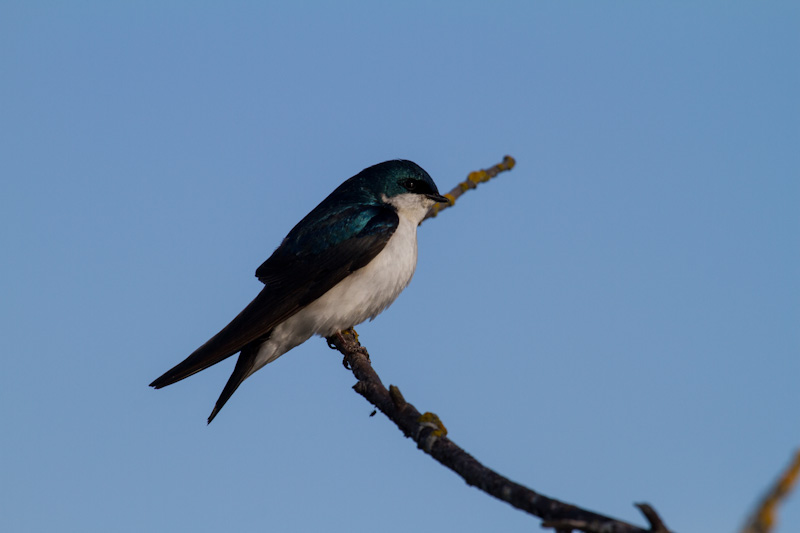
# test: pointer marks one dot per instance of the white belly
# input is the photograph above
(360, 296)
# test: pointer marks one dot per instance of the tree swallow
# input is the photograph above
(344, 263)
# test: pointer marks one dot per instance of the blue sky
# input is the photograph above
(615, 320)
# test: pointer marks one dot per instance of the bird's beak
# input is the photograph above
(438, 198)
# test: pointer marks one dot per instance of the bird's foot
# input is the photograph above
(354, 333)
(346, 340)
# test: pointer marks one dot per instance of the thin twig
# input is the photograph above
(764, 516)
(472, 181)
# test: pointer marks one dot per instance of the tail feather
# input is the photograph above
(254, 322)
(204, 357)
(221, 346)
(244, 367)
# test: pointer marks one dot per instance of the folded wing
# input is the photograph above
(311, 260)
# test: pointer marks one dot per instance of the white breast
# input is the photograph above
(371, 289)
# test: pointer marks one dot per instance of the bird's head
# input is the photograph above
(402, 184)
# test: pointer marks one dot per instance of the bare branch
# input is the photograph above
(431, 437)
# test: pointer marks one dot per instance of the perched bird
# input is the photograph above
(344, 263)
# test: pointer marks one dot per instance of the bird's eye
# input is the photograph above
(410, 185)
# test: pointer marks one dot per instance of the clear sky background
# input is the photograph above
(616, 320)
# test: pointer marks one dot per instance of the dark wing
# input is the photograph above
(304, 267)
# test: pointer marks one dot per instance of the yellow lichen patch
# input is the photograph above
(478, 176)
(432, 420)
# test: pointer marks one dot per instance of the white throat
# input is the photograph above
(412, 207)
